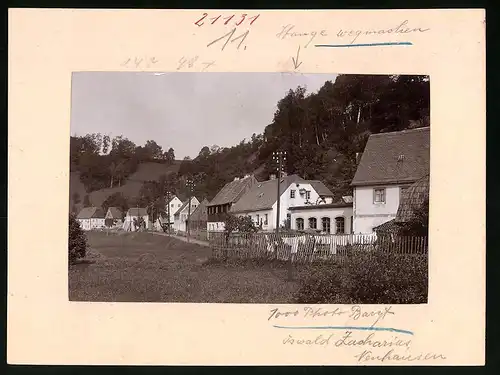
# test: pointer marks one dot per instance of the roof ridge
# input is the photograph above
(401, 131)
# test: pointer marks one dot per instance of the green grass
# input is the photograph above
(143, 267)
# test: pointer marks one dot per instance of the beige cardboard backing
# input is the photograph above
(46, 46)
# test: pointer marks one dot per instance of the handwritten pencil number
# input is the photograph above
(197, 23)
(229, 35)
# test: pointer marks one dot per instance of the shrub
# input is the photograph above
(77, 241)
(368, 278)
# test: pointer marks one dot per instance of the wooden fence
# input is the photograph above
(309, 247)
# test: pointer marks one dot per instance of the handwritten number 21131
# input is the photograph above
(229, 35)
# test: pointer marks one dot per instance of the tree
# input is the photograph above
(106, 142)
(77, 241)
(153, 150)
(116, 200)
(242, 224)
(86, 201)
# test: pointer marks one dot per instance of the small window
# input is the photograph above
(172, 205)
(299, 223)
(313, 223)
(258, 219)
(265, 219)
(178, 205)
(379, 195)
(339, 225)
(292, 193)
(308, 195)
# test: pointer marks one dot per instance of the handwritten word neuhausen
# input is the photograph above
(368, 355)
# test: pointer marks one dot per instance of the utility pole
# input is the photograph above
(168, 194)
(190, 186)
(280, 159)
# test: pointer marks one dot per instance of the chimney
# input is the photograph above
(236, 179)
(358, 157)
(272, 176)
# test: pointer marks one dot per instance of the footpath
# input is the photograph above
(191, 240)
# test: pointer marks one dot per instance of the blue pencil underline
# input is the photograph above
(349, 328)
(365, 44)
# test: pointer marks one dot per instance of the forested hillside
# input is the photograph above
(321, 133)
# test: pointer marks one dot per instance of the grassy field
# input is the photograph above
(143, 267)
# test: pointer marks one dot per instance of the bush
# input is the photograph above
(77, 241)
(368, 278)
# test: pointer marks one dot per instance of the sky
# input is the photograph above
(185, 111)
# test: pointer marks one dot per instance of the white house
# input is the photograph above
(172, 207)
(225, 199)
(390, 163)
(135, 213)
(327, 218)
(181, 215)
(261, 204)
(91, 218)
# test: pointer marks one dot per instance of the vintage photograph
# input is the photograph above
(249, 188)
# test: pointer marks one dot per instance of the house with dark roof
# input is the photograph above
(182, 214)
(91, 218)
(260, 202)
(224, 200)
(114, 216)
(390, 164)
(133, 214)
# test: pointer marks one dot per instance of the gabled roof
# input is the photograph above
(134, 211)
(184, 205)
(91, 213)
(320, 188)
(263, 195)
(412, 199)
(233, 191)
(200, 212)
(115, 212)
(396, 157)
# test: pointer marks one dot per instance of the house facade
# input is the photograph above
(198, 218)
(327, 218)
(172, 207)
(260, 202)
(181, 215)
(391, 162)
(224, 200)
(91, 218)
(136, 213)
(114, 217)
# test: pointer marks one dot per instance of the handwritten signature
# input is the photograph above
(355, 313)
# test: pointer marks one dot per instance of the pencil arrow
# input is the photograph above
(296, 62)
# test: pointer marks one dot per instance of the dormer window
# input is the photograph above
(401, 157)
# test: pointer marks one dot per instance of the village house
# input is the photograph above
(261, 202)
(181, 215)
(224, 200)
(390, 163)
(198, 218)
(327, 218)
(114, 217)
(172, 207)
(91, 218)
(413, 201)
(134, 214)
